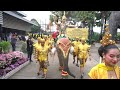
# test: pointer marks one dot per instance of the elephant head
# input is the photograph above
(63, 49)
(114, 22)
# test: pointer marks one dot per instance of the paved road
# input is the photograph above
(30, 71)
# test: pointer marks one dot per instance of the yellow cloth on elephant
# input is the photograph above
(76, 44)
(100, 71)
(83, 50)
(43, 52)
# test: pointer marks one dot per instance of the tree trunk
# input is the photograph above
(102, 27)
(90, 33)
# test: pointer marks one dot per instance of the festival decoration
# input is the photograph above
(106, 38)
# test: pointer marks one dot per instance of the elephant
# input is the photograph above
(114, 23)
(63, 49)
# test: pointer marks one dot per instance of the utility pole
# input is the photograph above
(45, 25)
(41, 28)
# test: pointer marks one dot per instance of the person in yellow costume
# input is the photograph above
(51, 44)
(75, 44)
(83, 53)
(37, 45)
(47, 43)
(50, 41)
(42, 55)
(46, 39)
(110, 55)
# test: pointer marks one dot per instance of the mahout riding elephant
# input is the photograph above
(63, 46)
(114, 23)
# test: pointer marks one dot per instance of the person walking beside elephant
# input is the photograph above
(42, 55)
(110, 55)
(75, 44)
(36, 45)
(83, 53)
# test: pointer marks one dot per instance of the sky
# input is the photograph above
(43, 17)
(40, 16)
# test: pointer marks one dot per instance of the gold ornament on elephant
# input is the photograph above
(64, 45)
(106, 38)
(64, 17)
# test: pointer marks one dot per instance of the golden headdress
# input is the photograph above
(83, 39)
(45, 36)
(106, 38)
(64, 17)
(42, 40)
(39, 38)
(77, 37)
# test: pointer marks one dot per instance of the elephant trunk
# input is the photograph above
(70, 73)
(66, 68)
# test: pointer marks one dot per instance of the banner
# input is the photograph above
(77, 32)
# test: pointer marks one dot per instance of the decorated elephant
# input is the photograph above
(63, 48)
(114, 23)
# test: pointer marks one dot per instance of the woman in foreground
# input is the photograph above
(110, 55)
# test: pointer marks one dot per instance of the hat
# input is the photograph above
(77, 37)
(39, 38)
(42, 40)
(83, 39)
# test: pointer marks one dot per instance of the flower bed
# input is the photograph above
(10, 61)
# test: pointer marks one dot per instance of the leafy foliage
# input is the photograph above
(23, 47)
(51, 18)
(5, 46)
(95, 37)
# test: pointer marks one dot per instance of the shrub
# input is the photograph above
(24, 47)
(5, 46)
(95, 37)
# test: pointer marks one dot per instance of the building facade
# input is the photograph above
(14, 21)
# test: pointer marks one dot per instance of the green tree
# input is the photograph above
(36, 27)
(51, 18)
(68, 14)
(88, 20)
(101, 18)
(86, 17)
